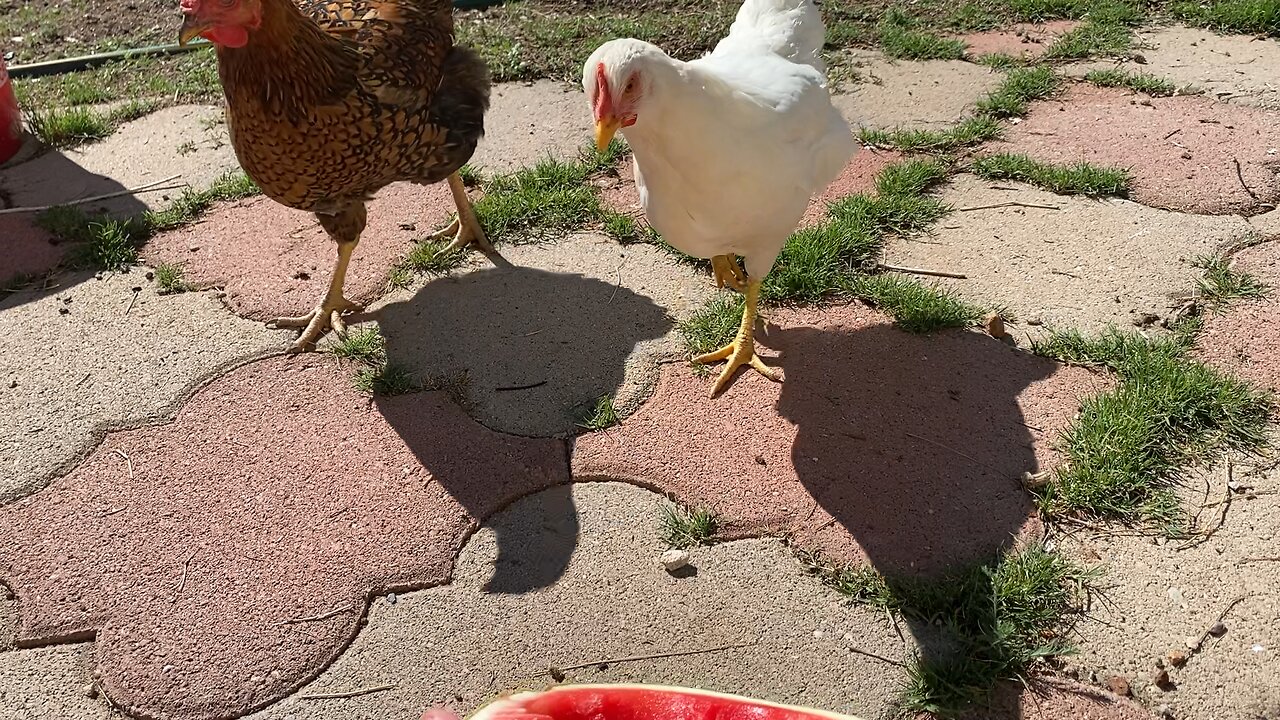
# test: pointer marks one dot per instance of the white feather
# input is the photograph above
(729, 148)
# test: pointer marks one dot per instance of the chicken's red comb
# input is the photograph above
(190, 6)
(604, 104)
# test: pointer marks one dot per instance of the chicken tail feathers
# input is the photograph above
(459, 105)
(792, 29)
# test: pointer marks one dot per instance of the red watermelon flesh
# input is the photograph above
(637, 702)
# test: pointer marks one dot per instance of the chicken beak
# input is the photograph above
(605, 130)
(191, 29)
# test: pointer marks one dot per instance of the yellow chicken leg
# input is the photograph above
(727, 273)
(465, 228)
(328, 314)
(742, 351)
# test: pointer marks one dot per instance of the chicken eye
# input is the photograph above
(631, 86)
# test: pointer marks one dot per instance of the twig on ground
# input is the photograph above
(1240, 177)
(1009, 204)
(1222, 517)
(1246, 561)
(1209, 630)
(558, 672)
(316, 618)
(122, 454)
(874, 656)
(947, 447)
(1171, 133)
(922, 271)
(530, 386)
(132, 300)
(149, 187)
(348, 694)
(182, 584)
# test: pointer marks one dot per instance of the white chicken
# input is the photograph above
(728, 148)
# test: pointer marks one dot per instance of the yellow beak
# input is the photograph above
(191, 29)
(605, 130)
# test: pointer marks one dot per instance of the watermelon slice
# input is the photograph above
(634, 702)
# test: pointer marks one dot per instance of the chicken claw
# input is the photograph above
(464, 228)
(742, 351)
(324, 316)
(727, 273)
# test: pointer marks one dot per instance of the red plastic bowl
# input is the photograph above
(10, 118)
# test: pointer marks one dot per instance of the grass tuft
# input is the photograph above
(602, 415)
(169, 279)
(902, 39)
(539, 203)
(374, 375)
(1261, 17)
(968, 133)
(916, 307)
(1220, 284)
(1078, 179)
(62, 128)
(1000, 617)
(1020, 87)
(1126, 447)
(1137, 81)
(687, 527)
(714, 325)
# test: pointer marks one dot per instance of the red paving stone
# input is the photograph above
(1182, 151)
(279, 492)
(1245, 339)
(274, 261)
(904, 450)
(1027, 40)
(859, 176)
(25, 249)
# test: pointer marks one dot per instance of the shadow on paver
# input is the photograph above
(911, 444)
(530, 352)
(47, 179)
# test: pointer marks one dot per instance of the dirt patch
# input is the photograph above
(1182, 151)
(1163, 595)
(1025, 40)
(1065, 262)
(37, 30)
(1245, 338)
(926, 94)
(879, 446)
(50, 683)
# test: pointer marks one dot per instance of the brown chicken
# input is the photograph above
(328, 102)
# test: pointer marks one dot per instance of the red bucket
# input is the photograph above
(10, 118)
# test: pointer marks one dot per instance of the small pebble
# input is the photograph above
(1193, 643)
(1218, 629)
(1176, 658)
(1161, 678)
(1119, 685)
(674, 559)
(1165, 711)
(91, 691)
(391, 598)
(150, 275)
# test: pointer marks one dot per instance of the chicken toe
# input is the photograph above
(465, 228)
(742, 351)
(727, 273)
(328, 314)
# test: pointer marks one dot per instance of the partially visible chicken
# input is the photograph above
(329, 101)
(728, 148)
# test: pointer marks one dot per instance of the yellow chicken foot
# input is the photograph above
(464, 228)
(727, 273)
(742, 351)
(328, 314)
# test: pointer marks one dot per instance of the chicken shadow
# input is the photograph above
(526, 352)
(914, 446)
(28, 251)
